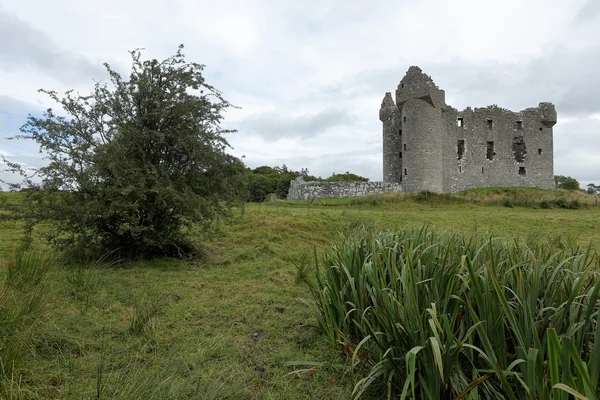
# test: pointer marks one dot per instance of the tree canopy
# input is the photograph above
(593, 188)
(566, 182)
(133, 162)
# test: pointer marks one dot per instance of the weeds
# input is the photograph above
(145, 314)
(136, 380)
(82, 282)
(304, 268)
(84, 279)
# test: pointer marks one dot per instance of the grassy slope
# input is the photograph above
(226, 327)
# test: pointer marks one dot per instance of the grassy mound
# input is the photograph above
(495, 196)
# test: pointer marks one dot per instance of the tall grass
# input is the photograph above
(144, 315)
(23, 303)
(437, 315)
(500, 196)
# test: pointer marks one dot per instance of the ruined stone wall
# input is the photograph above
(301, 190)
(499, 148)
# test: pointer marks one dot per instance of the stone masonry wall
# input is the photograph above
(499, 148)
(301, 190)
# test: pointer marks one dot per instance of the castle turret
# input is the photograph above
(420, 103)
(417, 85)
(392, 140)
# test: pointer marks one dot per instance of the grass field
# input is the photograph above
(226, 327)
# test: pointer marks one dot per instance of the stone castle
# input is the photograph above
(428, 145)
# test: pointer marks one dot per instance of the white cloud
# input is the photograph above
(310, 75)
(6, 154)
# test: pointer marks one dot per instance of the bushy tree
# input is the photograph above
(593, 188)
(260, 186)
(265, 180)
(134, 162)
(566, 182)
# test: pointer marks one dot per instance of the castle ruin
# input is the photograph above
(428, 145)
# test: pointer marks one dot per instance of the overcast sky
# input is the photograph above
(310, 75)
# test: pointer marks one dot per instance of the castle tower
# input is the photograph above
(392, 140)
(420, 104)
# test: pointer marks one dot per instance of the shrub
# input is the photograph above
(438, 315)
(561, 203)
(566, 182)
(133, 163)
(425, 195)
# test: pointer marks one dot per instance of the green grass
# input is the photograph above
(225, 327)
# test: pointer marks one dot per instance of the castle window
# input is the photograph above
(482, 170)
(541, 129)
(460, 149)
(519, 149)
(405, 172)
(540, 152)
(519, 124)
(490, 151)
(404, 146)
(522, 171)
(460, 168)
(400, 178)
(400, 132)
(401, 85)
(460, 122)
(400, 155)
(404, 120)
(490, 123)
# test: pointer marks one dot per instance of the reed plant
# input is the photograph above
(426, 314)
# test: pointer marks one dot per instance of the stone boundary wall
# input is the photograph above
(301, 190)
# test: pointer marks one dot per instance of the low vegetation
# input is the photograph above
(23, 302)
(228, 325)
(439, 315)
(507, 197)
